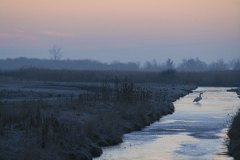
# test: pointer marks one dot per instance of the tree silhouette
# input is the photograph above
(219, 65)
(169, 64)
(193, 65)
(55, 53)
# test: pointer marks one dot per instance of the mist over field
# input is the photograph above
(186, 65)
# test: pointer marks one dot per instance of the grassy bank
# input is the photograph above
(75, 122)
(234, 135)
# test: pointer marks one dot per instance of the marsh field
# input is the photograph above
(119, 79)
(69, 114)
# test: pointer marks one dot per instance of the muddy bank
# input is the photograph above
(68, 122)
(234, 134)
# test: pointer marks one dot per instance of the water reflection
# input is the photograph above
(198, 104)
(195, 131)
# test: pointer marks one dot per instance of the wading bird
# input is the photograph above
(199, 98)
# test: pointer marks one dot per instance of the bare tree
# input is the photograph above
(169, 64)
(55, 53)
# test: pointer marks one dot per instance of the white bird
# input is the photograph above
(199, 98)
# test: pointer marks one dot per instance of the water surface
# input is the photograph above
(196, 131)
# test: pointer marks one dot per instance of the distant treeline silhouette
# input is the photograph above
(186, 65)
(203, 78)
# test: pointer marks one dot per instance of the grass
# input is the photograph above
(76, 126)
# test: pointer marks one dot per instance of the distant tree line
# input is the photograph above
(195, 65)
(203, 78)
(188, 65)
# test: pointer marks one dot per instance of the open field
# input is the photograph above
(70, 114)
(207, 78)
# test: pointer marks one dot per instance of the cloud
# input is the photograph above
(57, 34)
(4, 35)
(16, 33)
(17, 37)
(19, 30)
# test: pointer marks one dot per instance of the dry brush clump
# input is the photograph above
(42, 133)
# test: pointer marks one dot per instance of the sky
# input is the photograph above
(122, 30)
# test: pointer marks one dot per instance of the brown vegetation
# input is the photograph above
(234, 134)
(76, 126)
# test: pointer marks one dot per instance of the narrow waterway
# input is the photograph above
(193, 132)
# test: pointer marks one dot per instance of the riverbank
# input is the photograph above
(234, 134)
(68, 121)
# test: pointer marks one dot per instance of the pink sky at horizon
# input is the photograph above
(123, 30)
